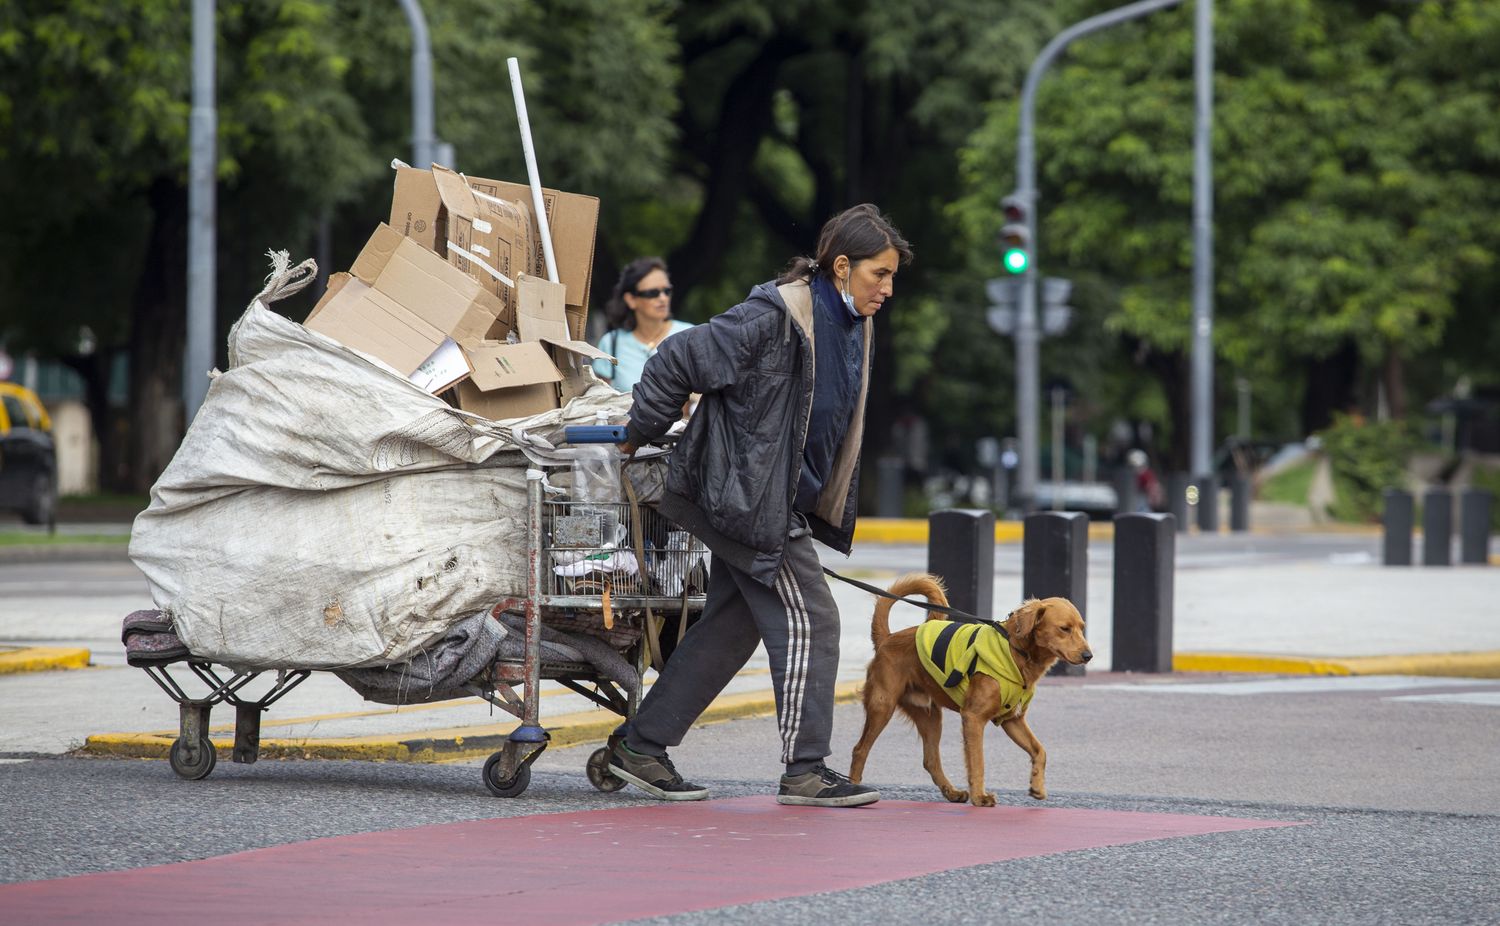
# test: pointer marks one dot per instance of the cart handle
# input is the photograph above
(594, 434)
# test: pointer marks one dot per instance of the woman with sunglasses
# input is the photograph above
(639, 313)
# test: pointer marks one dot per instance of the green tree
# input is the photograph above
(791, 112)
(1354, 185)
(313, 101)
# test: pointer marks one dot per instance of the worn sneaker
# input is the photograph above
(653, 774)
(823, 787)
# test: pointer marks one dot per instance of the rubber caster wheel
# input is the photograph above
(201, 765)
(511, 788)
(599, 774)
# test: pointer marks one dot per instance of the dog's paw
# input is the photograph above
(956, 796)
(984, 799)
(1039, 793)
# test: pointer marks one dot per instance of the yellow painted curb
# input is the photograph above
(42, 659)
(455, 743)
(914, 530)
(1462, 665)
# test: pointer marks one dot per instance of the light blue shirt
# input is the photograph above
(631, 354)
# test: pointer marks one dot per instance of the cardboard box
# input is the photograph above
(509, 380)
(400, 302)
(417, 211)
(538, 373)
(488, 238)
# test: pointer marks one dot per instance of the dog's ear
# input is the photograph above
(1023, 620)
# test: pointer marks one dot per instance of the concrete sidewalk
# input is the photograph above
(1339, 617)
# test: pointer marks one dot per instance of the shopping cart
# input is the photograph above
(607, 570)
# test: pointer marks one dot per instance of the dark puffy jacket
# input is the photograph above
(734, 473)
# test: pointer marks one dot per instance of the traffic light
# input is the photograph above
(1056, 313)
(1015, 236)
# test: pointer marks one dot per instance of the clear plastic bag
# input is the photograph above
(596, 475)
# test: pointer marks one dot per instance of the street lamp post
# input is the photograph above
(423, 142)
(1027, 334)
(1203, 242)
(203, 121)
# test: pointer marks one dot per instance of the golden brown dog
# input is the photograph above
(1041, 632)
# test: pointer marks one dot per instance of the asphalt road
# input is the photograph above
(1396, 783)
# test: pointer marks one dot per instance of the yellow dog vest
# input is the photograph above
(952, 652)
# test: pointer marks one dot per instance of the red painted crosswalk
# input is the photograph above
(589, 866)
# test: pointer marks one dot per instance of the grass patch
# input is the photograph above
(1292, 485)
(28, 539)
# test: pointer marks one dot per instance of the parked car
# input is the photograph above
(28, 456)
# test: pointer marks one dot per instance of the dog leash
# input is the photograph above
(963, 617)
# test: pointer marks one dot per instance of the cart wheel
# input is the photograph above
(511, 788)
(192, 770)
(599, 774)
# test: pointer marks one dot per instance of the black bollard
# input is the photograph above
(961, 549)
(1239, 503)
(1396, 521)
(1208, 504)
(1177, 499)
(1474, 526)
(1054, 563)
(1437, 527)
(890, 472)
(1124, 481)
(1145, 547)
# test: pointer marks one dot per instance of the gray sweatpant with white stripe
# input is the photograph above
(799, 623)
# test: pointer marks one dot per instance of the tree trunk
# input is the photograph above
(1173, 372)
(1393, 375)
(741, 124)
(1331, 386)
(157, 334)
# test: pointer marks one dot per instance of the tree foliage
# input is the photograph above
(312, 103)
(1354, 169)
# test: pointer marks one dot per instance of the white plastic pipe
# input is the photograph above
(537, 202)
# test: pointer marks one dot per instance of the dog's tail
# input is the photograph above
(925, 583)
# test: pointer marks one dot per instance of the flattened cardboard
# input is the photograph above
(400, 302)
(509, 380)
(489, 239)
(542, 316)
(416, 210)
(498, 365)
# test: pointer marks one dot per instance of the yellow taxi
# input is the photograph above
(28, 456)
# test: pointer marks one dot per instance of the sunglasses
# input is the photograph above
(653, 293)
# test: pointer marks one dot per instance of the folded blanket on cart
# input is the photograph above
(465, 654)
(605, 659)
(438, 672)
(150, 640)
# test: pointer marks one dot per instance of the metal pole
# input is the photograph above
(1243, 386)
(1027, 336)
(537, 201)
(423, 140)
(198, 351)
(1203, 242)
(1057, 448)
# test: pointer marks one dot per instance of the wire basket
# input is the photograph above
(590, 546)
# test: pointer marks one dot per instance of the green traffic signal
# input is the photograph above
(1016, 260)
